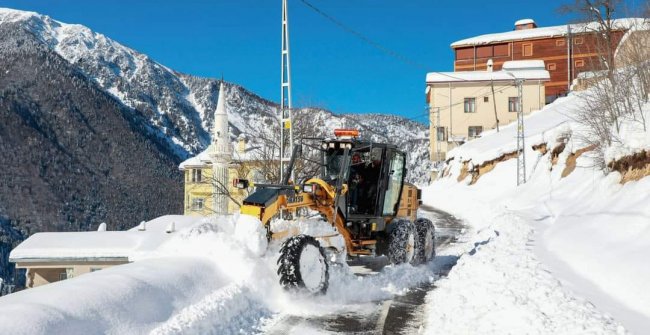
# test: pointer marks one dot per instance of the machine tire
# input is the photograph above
(303, 265)
(425, 246)
(401, 242)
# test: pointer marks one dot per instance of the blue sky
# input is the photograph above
(331, 68)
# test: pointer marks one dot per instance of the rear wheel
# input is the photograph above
(401, 242)
(425, 248)
(303, 265)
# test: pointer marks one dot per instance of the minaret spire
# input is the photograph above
(221, 154)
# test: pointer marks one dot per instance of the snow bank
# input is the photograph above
(555, 255)
(206, 278)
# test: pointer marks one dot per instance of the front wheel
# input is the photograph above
(401, 242)
(303, 265)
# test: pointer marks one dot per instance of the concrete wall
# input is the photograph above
(456, 122)
(41, 273)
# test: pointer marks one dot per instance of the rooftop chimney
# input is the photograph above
(525, 24)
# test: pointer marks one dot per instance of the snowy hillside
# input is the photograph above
(564, 253)
(179, 107)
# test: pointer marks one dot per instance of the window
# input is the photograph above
(560, 42)
(474, 131)
(578, 40)
(527, 49)
(441, 134)
(69, 273)
(513, 103)
(395, 179)
(580, 63)
(196, 175)
(551, 66)
(486, 99)
(197, 204)
(470, 105)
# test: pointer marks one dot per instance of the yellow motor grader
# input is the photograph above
(362, 193)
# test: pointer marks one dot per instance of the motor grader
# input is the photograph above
(362, 193)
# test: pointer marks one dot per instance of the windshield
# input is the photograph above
(333, 160)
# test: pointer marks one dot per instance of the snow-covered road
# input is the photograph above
(397, 314)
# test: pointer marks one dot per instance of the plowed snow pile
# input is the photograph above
(207, 279)
(557, 255)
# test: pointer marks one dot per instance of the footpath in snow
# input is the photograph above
(557, 255)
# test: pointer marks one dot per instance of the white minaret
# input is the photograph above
(221, 154)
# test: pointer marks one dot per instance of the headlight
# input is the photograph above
(332, 145)
(308, 188)
(324, 145)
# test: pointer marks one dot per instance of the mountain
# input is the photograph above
(92, 130)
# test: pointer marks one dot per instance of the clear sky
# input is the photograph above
(331, 68)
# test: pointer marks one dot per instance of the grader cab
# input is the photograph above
(362, 193)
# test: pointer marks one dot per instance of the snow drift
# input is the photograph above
(571, 221)
(207, 278)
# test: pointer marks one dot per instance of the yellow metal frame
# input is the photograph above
(322, 200)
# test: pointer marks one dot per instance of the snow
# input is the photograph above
(250, 232)
(527, 70)
(557, 255)
(542, 32)
(100, 244)
(524, 21)
(312, 268)
(204, 278)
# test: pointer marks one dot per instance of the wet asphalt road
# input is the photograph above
(401, 315)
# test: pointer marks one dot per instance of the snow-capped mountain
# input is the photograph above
(179, 107)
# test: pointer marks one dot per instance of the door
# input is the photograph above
(394, 185)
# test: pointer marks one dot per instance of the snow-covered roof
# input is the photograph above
(200, 160)
(94, 245)
(524, 21)
(203, 159)
(544, 32)
(526, 70)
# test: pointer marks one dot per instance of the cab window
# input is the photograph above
(394, 186)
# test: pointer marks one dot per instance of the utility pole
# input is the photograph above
(286, 126)
(568, 57)
(521, 147)
(438, 140)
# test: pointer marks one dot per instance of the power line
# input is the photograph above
(392, 53)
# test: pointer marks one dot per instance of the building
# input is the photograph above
(51, 257)
(566, 50)
(464, 104)
(209, 176)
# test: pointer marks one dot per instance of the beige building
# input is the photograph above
(465, 104)
(52, 257)
(200, 184)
